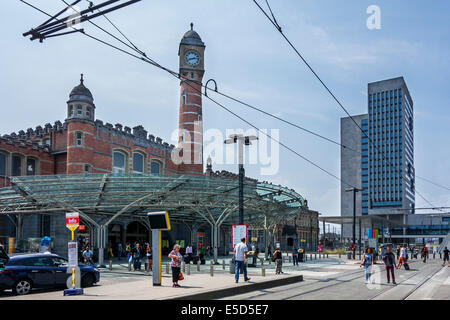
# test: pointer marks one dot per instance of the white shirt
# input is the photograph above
(189, 249)
(240, 249)
(403, 252)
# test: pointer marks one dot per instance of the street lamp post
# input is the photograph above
(241, 140)
(354, 190)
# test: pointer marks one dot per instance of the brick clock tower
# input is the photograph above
(192, 68)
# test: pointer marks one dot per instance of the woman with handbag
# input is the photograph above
(176, 257)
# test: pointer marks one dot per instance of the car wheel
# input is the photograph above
(87, 281)
(22, 287)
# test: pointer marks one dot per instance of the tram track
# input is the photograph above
(416, 287)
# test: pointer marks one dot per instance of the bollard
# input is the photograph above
(110, 265)
(263, 272)
(189, 269)
(184, 266)
(223, 264)
(198, 265)
(315, 256)
(262, 261)
(167, 268)
(434, 255)
(129, 265)
(147, 267)
(339, 255)
(310, 256)
(211, 270)
(327, 255)
(290, 259)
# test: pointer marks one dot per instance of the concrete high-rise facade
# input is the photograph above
(383, 166)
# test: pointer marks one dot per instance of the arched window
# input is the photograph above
(3, 164)
(88, 112)
(16, 165)
(184, 98)
(31, 166)
(79, 110)
(138, 162)
(78, 138)
(155, 167)
(119, 162)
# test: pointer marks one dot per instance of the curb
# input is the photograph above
(231, 291)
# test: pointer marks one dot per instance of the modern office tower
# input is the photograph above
(384, 169)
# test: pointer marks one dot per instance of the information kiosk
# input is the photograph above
(159, 221)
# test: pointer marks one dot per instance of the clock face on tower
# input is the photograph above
(192, 58)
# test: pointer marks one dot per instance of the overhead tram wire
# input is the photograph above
(277, 26)
(175, 74)
(135, 48)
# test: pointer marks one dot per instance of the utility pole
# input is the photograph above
(241, 140)
(354, 190)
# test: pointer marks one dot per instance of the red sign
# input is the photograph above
(72, 219)
(82, 227)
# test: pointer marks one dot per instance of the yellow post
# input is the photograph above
(73, 269)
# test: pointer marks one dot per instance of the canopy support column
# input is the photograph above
(101, 240)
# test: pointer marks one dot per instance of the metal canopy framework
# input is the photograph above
(188, 198)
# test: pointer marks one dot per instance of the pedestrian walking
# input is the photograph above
(255, 255)
(367, 261)
(240, 257)
(128, 251)
(294, 256)
(87, 256)
(424, 254)
(446, 256)
(189, 253)
(201, 251)
(278, 261)
(269, 250)
(389, 263)
(137, 256)
(412, 251)
(176, 257)
(148, 257)
(402, 257)
(119, 250)
(398, 252)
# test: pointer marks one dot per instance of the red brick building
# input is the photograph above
(83, 144)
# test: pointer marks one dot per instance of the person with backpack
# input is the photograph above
(278, 257)
(137, 255)
(389, 263)
(367, 261)
(446, 256)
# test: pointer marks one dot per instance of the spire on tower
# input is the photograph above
(192, 26)
(81, 80)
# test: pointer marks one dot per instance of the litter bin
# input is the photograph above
(349, 254)
(232, 265)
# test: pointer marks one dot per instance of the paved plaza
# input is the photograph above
(329, 278)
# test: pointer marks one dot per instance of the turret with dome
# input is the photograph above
(81, 103)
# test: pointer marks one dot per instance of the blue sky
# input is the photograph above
(251, 61)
